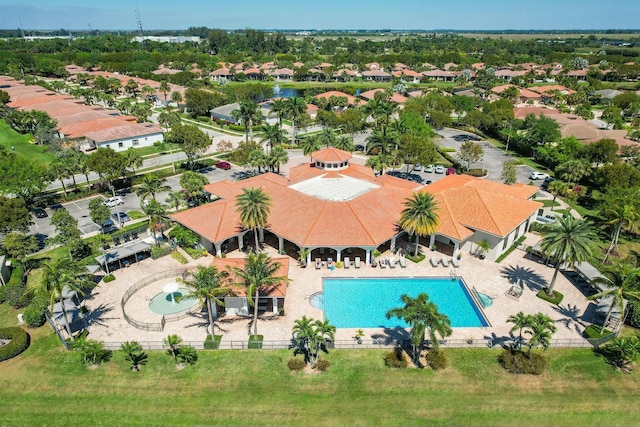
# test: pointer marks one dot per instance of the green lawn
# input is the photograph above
(49, 386)
(22, 144)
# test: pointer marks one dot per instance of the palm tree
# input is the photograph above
(175, 199)
(520, 322)
(248, 114)
(273, 135)
(133, 353)
(295, 108)
(419, 216)
(310, 145)
(253, 205)
(574, 170)
(164, 88)
(279, 107)
(62, 275)
(541, 328)
(173, 343)
(345, 143)
(557, 188)
(568, 241)
(327, 137)
(621, 210)
(209, 285)
(421, 314)
(152, 184)
(619, 282)
(257, 274)
(157, 214)
(277, 157)
(383, 141)
(311, 336)
(176, 97)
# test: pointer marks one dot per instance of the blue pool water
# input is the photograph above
(364, 302)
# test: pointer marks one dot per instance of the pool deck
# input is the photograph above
(571, 317)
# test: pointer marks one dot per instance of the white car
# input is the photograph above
(439, 169)
(112, 202)
(428, 168)
(538, 175)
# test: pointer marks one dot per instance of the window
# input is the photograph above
(505, 242)
(135, 142)
(515, 236)
(120, 144)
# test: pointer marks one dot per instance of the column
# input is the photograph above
(432, 240)
(241, 241)
(280, 244)
(261, 235)
(309, 257)
(338, 254)
(456, 248)
(218, 249)
(368, 257)
(393, 244)
(275, 305)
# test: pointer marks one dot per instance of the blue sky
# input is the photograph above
(324, 14)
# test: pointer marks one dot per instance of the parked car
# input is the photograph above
(417, 167)
(112, 202)
(451, 171)
(40, 213)
(547, 181)
(538, 175)
(223, 165)
(123, 217)
(109, 226)
(428, 168)
(56, 207)
(439, 169)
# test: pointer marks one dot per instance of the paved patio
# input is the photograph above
(107, 323)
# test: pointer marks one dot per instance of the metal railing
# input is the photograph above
(155, 326)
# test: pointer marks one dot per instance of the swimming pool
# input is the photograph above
(364, 302)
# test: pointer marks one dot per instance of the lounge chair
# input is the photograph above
(392, 263)
(434, 261)
(455, 262)
(318, 263)
(347, 262)
(403, 262)
(383, 263)
(445, 262)
(514, 292)
(356, 262)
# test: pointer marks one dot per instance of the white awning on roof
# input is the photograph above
(588, 271)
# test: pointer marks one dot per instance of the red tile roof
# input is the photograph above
(331, 155)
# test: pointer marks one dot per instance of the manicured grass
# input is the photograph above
(556, 298)
(547, 203)
(22, 144)
(45, 385)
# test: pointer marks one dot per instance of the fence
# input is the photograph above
(380, 343)
(154, 326)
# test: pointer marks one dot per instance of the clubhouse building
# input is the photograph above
(334, 208)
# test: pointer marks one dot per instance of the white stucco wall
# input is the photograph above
(135, 142)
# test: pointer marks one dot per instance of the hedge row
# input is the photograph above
(19, 342)
(511, 248)
(14, 291)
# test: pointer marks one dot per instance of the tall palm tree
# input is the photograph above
(253, 205)
(258, 274)
(157, 215)
(422, 314)
(568, 241)
(311, 336)
(273, 135)
(343, 142)
(175, 199)
(557, 188)
(419, 216)
(209, 285)
(164, 88)
(248, 114)
(621, 209)
(279, 108)
(382, 140)
(327, 137)
(295, 108)
(152, 184)
(620, 282)
(60, 275)
(310, 145)
(277, 157)
(574, 170)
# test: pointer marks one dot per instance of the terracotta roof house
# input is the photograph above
(373, 66)
(449, 65)
(507, 74)
(443, 75)
(376, 76)
(524, 94)
(549, 90)
(222, 73)
(253, 73)
(332, 207)
(121, 138)
(395, 97)
(282, 74)
(351, 100)
(408, 75)
(578, 74)
(345, 74)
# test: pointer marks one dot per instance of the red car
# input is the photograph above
(451, 171)
(223, 165)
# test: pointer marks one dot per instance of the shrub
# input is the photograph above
(159, 251)
(395, 359)
(214, 344)
(437, 359)
(187, 355)
(178, 257)
(19, 342)
(517, 362)
(195, 253)
(511, 248)
(255, 341)
(296, 364)
(322, 365)
(633, 318)
(476, 172)
(595, 331)
(34, 313)
(415, 259)
(13, 292)
(109, 278)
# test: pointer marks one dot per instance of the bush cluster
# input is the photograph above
(437, 359)
(210, 344)
(178, 257)
(296, 364)
(109, 278)
(511, 248)
(159, 251)
(322, 365)
(633, 319)
(14, 291)
(395, 359)
(19, 342)
(34, 313)
(517, 362)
